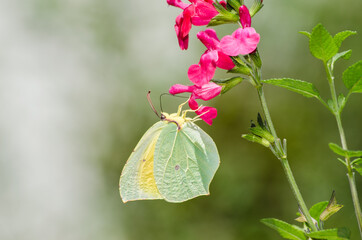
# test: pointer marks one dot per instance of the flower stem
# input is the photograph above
(284, 161)
(350, 173)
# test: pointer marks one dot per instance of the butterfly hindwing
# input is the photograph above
(183, 168)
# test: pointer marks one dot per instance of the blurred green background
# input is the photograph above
(73, 83)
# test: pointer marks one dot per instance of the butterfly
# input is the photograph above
(175, 160)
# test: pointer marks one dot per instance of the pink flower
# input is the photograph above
(223, 3)
(198, 13)
(205, 92)
(211, 41)
(245, 18)
(206, 113)
(183, 41)
(242, 41)
(203, 72)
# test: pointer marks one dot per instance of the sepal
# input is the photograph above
(228, 84)
(235, 4)
(257, 5)
(224, 16)
(256, 58)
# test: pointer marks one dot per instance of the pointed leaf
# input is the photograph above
(352, 77)
(305, 33)
(343, 162)
(357, 165)
(359, 169)
(317, 209)
(357, 161)
(285, 230)
(345, 55)
(341, 101)
(340, 151)
(337, 149)
(321, 44)
(331, 209)
(341, 36)
(305, 88)
(331, 234)
(354, 153)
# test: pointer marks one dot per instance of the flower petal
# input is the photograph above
(183, 41)
(223, 3)
(179, 88)
(204, 12)
(207, 91)
(207, 114)
(203, 72)
(192, 102)
(177, 3)
(209, 39)
(229, 46)
(224, 61)
(242, 41)
(185, 23)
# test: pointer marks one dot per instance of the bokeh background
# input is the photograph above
(73, 83)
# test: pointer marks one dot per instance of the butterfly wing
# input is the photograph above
(185, 162)
(137, 181)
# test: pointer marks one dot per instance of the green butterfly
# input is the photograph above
(175, 160)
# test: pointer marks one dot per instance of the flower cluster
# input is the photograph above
(218, 54)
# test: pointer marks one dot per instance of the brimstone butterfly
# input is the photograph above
(175, 160)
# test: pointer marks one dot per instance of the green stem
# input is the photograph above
(284, 161)
(350, 173)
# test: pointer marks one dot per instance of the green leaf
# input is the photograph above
(285, 230)
(321, 44)
(331, 234)
(305, 33)
(345, 55)
(358, 168)
(305, 88)
(357, 161)
(228, 84)
(341, 101)
(343, 162)
(352, 77)
(341, 36)
(357, 165)
(317, 209)
(345, 153)
(337, 149)
(331, 209)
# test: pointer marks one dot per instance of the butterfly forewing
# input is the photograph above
(137, 180)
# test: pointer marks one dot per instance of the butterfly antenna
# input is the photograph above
(150, 102)
(163, 94)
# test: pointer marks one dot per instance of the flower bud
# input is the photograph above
(256, 139)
